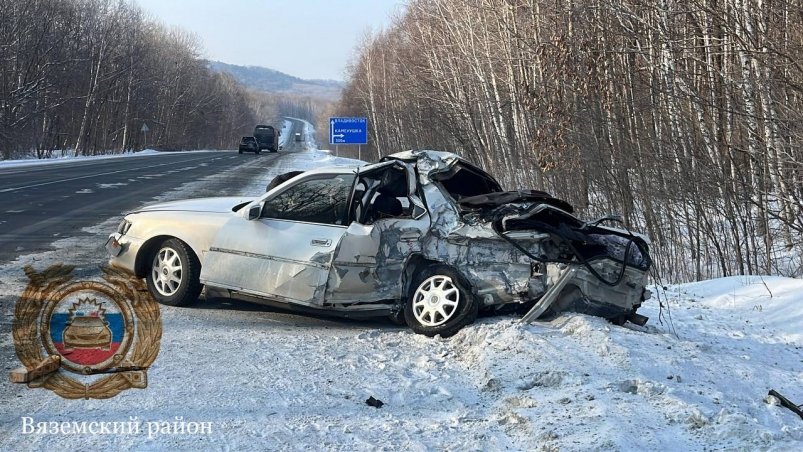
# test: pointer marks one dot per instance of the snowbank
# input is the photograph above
(68, 158)
(286, 126)
(769, 303)
(308, 135)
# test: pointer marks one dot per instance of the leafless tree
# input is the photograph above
(85, 75)
(686, 117)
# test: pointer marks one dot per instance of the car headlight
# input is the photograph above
(124, 226)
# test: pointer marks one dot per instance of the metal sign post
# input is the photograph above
(145, 130)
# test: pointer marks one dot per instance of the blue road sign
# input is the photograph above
(348, 130)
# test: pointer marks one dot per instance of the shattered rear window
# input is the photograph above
(463, 181)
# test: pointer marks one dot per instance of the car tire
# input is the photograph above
(173, 275)
(240, 151)
(439, 302)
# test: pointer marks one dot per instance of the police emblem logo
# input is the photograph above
(85, 339)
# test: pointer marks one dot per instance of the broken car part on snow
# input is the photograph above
(797, 409)
(422, 236)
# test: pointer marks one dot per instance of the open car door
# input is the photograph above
(386, 223)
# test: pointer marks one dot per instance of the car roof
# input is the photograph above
(414, 155)
(332, 170)
(430, 162)
(439, 159)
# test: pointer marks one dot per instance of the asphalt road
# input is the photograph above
(43, 203)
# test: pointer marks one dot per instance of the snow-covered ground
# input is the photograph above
(695, 378)
(298, 161)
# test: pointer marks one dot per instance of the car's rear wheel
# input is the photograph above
(173, 278)
(439, 302)
(240, 151)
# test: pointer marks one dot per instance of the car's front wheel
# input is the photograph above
(173, 278)
(439, 302)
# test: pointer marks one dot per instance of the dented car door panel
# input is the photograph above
(369, 262)
(285, 252)
(273, 258)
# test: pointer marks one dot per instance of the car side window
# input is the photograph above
(382, 194)
(322, 200)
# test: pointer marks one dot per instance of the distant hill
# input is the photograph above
(273, 81)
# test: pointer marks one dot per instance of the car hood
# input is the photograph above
(220, 205)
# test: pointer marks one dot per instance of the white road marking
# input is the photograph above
(5, 190)
(85, 191)
(14, 211)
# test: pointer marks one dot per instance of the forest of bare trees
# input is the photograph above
(684, 116)
(85, 75)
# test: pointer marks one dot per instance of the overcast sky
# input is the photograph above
(304, 38)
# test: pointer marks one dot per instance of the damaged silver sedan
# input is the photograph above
(423, 237)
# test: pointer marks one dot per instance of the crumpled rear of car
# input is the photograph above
(526, 247)
(573, 265)
(586, 267)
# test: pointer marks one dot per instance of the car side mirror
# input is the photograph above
(254, 212)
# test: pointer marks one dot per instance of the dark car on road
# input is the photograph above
(249, 144)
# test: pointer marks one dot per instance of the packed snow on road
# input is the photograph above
(695, 377)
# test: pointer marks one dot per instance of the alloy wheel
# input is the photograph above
(167, 271)
(435, 301)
